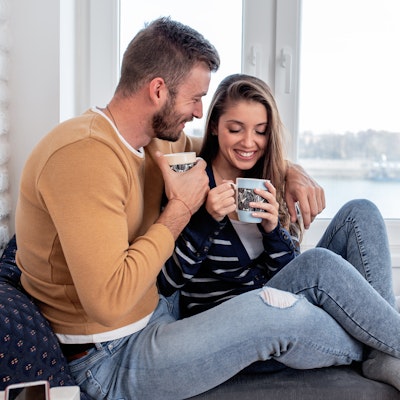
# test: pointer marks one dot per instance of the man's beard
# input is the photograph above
(166, 122)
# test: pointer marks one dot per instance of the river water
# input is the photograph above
(384, 194)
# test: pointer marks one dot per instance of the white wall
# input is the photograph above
(39, 97)
(34, 80)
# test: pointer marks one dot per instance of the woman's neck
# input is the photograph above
(223, 172)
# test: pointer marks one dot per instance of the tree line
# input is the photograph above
(370, 145)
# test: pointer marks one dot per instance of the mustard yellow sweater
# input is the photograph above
(88, 247)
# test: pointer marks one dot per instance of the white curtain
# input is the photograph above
(5, 44)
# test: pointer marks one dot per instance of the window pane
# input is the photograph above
(223, 29)
(349, 124)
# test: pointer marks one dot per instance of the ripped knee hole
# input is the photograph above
(277, 298)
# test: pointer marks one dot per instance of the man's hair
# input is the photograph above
(167, 49)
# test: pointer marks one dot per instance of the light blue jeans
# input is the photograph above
(333, 312)
(363, 307)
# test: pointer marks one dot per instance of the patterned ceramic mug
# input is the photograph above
(244, 189)
(181, 162)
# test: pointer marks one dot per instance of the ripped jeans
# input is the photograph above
(352, 280)
(335, 310)
(176, 359)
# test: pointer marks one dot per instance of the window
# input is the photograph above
(264, 38)
(349, 126)
(335, 82)
(333, 67)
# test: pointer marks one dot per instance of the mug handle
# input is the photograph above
(234, 186)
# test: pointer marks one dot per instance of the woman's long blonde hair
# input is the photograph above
(241, 87)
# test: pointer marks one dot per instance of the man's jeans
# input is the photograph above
(176, 359)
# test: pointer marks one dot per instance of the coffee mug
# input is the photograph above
(244, 189)
(181, 162)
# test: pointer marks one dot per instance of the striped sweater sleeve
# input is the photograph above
(279, 249)
(191, 249)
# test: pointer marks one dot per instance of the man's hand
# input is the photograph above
(186, 192)
(302, 188)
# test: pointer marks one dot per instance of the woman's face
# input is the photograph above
(241, 136)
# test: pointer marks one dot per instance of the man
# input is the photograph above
(92, 240)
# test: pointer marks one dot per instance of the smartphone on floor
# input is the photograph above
(39, 390)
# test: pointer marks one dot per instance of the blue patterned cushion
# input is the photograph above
(29, 349)
(9, 271)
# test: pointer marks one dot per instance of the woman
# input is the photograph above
(217, 257)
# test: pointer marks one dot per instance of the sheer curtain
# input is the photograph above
(5, 205)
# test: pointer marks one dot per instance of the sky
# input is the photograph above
(350, 66)
(350, 58)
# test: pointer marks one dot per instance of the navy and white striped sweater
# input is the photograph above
(210, 264)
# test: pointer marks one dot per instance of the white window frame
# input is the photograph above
(89, 50)
(269, 45)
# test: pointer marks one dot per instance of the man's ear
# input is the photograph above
(158, 91)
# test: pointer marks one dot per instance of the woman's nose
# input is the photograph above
(248, 138)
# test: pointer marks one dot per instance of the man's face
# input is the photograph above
(187, 104)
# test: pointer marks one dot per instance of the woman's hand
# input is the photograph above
(270, 217)
(221, 201)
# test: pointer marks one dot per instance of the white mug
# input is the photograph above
(181, 162)
(244, 189)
